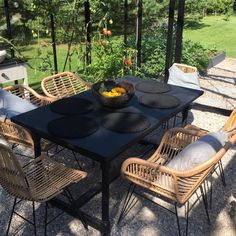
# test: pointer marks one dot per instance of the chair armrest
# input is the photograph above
(15, 133)
(29, 94)
(194, 127)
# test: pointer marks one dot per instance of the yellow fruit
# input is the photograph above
(118, 90)
(105, 93)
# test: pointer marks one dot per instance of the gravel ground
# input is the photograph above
(145, 218)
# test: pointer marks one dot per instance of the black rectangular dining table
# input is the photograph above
(104, 145)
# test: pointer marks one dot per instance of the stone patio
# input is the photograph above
(147, 218)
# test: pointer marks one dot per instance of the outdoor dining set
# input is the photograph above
(74, 114)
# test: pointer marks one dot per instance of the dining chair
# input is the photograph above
(229, 125)
(38, 181)
(185, 76)
(16, 134)
(161, 177)
(64, 84)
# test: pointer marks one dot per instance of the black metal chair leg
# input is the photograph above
(177, 218)
(186, 231)
(34, 219)
(76, 159)
(205, 205)
(222, 174)
(46, 219)
(205, 192)
(12, 212)
(211, 179)
(128, 203)
(72, 201)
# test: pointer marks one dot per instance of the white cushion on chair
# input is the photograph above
(11, 105)
(198, 152)
(180, 78)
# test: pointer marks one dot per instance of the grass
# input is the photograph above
(36, 63)
(214, 32)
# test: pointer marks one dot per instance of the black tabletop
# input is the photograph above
(106, 143)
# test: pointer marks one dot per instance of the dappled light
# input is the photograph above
(117, 118)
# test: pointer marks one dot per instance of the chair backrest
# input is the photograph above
(63, 84)
(186, 68)
(184, 76)
(25, 93)
(231, 122)
(12, 177)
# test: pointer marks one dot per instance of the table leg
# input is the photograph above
(185, 115)
(105, 197)
(37, 146)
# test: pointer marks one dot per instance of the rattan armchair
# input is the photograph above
(186, 69)
(15, 134)
(38, 181)
(63, 84)
(229, 125)
(171, 185)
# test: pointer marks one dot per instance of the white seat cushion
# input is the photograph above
(180, 78)
(11, 105)
(198, 152)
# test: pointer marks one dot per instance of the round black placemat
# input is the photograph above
(71, 106)
(125, 122)
(152, 87)
(159, 100)
(72, 127)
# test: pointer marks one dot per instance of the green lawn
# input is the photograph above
(214, 31)
(34, 62)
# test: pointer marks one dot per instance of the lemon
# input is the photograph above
(118, 90)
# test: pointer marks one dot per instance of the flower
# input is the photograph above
(109, 33)
(129, 62)
(124, 60)
(110, 21)
(104, 31)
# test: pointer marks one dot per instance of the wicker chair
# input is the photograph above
(186, 69)
(63, 84)
(16, 134)
(171, 185)
(228, 126)
(38, 181)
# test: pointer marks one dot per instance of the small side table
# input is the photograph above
(13, 70)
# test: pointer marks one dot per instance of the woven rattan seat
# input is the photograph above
(38, 181)
(16, 134)
(63, 84)
(176, 186)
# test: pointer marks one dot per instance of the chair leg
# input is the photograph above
(12, 212)
(222, 174)
(205, 204)
(34, 219)
(128, 203)
(205, 193)
(186, 231)
(76, 159)
(211, 179)
(177, 218)
(72, 201)
(46, 218)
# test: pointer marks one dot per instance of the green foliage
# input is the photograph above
(195, 54)
(108, 60)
